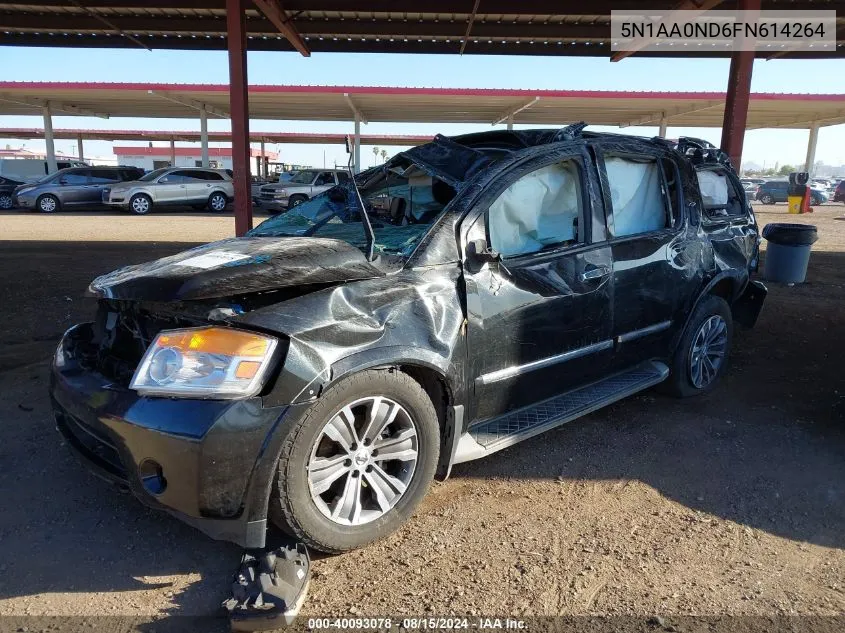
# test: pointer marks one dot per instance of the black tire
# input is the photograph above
(48, 203)
(217, 202)
(815, 201)
(6, 202)
(767, 199)
(680, 382)
(140, 204)
(295, 200)
(291, 505)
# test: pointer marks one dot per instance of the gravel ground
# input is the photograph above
(733, 503)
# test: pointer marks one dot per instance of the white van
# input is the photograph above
(32, 169)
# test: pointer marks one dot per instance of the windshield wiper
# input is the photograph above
(365, 219)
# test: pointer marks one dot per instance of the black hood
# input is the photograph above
(237, 266)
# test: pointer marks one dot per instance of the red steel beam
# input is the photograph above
(239, 113)
(273, 11)
(739, 93)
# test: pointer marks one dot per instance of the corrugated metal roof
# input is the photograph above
(435, 105)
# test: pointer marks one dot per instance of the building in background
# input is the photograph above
(22, 152)
(149, 158)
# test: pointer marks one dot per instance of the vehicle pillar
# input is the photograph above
(52, 167)
(239, 112)
(204, 135)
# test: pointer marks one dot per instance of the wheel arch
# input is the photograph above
(727, 285)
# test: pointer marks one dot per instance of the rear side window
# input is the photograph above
(325, 178)
(342, 176)
(637, 195)
(539, 211)
(209, 175)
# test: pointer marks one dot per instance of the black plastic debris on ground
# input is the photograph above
(268, 589)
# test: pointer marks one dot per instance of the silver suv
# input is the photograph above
(192, 186)
(299, 187)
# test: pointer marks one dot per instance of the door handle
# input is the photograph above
(595, 273)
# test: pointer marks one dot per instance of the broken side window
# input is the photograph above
(540, 210)
(636, 194)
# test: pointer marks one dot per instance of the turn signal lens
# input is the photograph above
(209, 362)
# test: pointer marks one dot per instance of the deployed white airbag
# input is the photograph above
(539, 209)
(714, 188)
(636, 196)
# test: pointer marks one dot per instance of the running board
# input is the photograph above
(493, 435)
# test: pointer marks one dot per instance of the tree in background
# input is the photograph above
(785, 170)
(384, 154)
(375, 154)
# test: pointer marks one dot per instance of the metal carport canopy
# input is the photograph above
(429, 105)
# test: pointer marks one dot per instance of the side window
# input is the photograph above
(721, 197)
(325, 178)
(342, 176)
(74, 178)
(210, 175)
(540, 210)
(187, 176)
(637, 195)
(173, 178)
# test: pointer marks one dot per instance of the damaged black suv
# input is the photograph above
(320, 371)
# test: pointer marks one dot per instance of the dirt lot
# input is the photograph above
(733, 503)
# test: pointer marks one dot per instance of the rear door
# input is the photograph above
(650, 246)
(196, 185)
(539, 321)
(99, 179)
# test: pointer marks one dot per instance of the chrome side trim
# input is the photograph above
(517, 370)
(651, 329)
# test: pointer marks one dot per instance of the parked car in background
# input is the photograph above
(300, 187)
(7, 188)
(774, 191)
(318, 372)
(73, 187)
(32, 169)
(197, 187)
(839, 192)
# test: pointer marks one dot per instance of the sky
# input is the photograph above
(765, 147)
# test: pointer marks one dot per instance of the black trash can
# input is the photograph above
(788, 252)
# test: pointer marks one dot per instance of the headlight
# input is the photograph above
(207, 362)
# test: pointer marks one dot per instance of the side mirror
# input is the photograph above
(479, 253)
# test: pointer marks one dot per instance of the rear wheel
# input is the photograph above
(217, 202)
(767, 199)
(48, 204)
(355, 467)
(701, 357)
(5, 201)
(140, 204)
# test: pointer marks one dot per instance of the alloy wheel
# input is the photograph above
(363, 461)
(218, 202)
(5, 202)
(708, 351)
(47, 204)
(140, 205)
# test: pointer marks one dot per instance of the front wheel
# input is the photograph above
(140, 204)
(48, 204)
(296, 200)
(358, 463)
(701, 357)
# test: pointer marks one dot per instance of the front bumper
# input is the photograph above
(274, 204)
(23, 201)
(208, 462)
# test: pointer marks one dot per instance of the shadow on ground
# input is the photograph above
(766, 449)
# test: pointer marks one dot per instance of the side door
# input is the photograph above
(170, 189)
(99, 180)
(196, 185)
(539, 312)
(73, 187)
(325, 180)
(652, 248)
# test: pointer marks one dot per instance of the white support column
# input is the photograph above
(510, 122)
(811, 148)
(172, 152)
(663, 126)
(204, 135)
(262, 173)
(356, 143)
(80, 151)
(52, 167)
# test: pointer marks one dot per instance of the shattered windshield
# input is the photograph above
(402, 202)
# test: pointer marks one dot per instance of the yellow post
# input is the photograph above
(794, 203)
